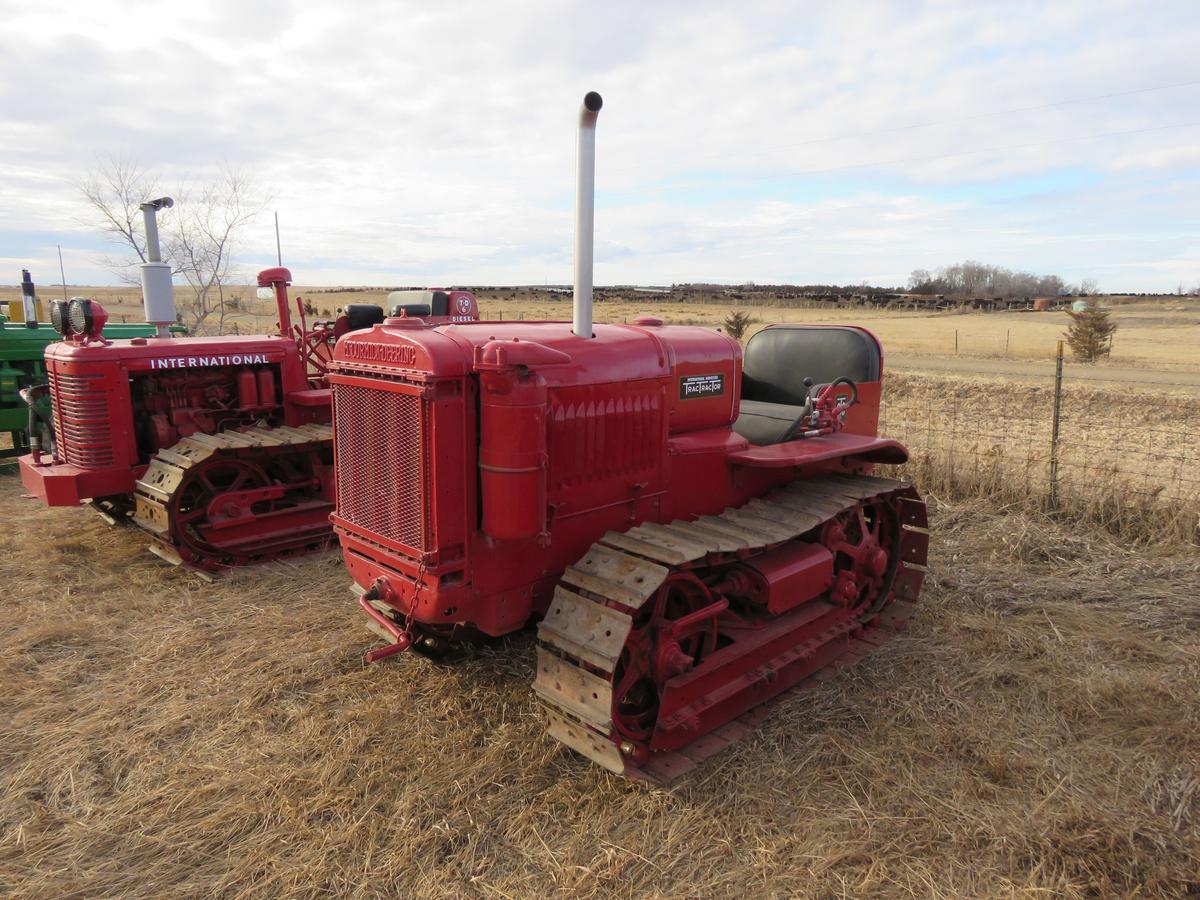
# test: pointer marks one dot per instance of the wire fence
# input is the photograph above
(1109, 457)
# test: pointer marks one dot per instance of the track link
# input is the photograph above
(157, 494)
(590, 619)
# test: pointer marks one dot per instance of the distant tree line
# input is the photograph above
(982, 280)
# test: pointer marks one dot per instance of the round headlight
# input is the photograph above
(60, 316)
(87, 318)
(81, 316)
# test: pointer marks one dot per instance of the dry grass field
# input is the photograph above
(1035, 731)
(1130, 468)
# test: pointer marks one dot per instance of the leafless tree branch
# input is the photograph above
(198, 239)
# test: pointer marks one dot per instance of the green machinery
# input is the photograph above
(22, 346)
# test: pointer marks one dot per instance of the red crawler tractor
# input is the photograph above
(696, 532)
(219, 447)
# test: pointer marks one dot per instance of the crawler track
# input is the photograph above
(617, 693)
(214, 501)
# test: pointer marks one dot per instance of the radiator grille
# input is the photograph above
(82, 422)
(381, 472)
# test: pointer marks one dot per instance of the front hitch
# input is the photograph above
(401, 637)
(31, 395)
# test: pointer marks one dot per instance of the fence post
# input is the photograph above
(1058, 373)
(956, 342)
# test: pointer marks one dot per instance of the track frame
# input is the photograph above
(601, 610)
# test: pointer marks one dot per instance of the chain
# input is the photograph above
(408, 619)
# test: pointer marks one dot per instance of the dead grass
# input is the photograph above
(1128, 465)
(1035, 731)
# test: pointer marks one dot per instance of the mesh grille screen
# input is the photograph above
(380, 462)
(81, 420)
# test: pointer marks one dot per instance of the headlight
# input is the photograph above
(60, 316)
(80, 316)
(87, 318)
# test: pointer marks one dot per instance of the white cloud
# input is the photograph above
(409, 142)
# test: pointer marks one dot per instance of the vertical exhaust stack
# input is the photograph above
(158, 293)
(29, 301)
(585, 197)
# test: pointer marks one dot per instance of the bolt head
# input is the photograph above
(635, 753)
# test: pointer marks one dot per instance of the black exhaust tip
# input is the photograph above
(593, 101)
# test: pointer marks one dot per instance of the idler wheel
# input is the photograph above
(865, 543)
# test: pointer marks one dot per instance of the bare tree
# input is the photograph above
(115, 190)
(921, 281)
(975, 279)
(200, 247)
(198, 239)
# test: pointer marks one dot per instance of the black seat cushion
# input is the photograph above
(768, 423)
(779, 358)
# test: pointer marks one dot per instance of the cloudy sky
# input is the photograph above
(748, 141)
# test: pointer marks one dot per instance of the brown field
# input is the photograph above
(1035, 731)
(1131, 468)
(1156, 333)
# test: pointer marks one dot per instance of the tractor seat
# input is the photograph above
(765, 423)
(437, 301)
(363, 315)
(776, 362)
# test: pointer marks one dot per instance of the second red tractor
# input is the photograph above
(220, 448)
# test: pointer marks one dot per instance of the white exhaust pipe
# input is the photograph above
(158, 293)
(585, 197)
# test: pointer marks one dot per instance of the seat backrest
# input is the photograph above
(438, 302)
(363, 315)
(411, 309)
(779, 358)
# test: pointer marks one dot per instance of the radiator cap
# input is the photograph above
(647, 320)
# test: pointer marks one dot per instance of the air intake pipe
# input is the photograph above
(585, 197)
